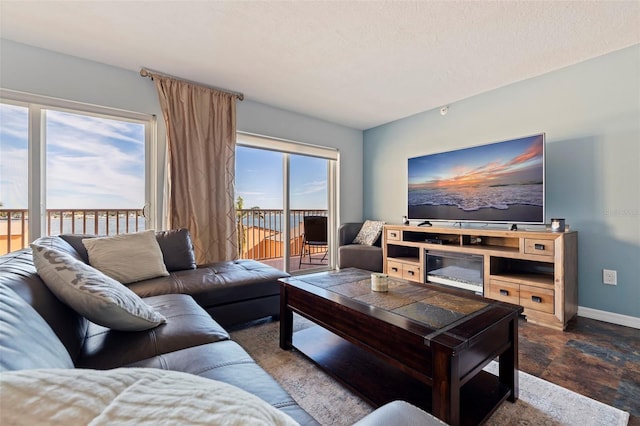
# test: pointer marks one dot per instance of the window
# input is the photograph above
(67, 167)
(278, 184)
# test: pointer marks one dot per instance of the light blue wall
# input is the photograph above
(590, 113)
(43, 72)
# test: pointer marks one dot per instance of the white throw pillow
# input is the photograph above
(127, 257)
(92, 294)
(369, 233)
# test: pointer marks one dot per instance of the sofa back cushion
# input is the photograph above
(18, 273)
(26, 340)
(176, 247)
(127, 258)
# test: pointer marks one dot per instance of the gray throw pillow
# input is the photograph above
(369, 233)
(91, 293)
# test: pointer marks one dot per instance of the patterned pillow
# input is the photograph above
(127, 257)
(369, 233)
(92, 294)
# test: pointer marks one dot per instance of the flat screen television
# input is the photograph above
(500, 182)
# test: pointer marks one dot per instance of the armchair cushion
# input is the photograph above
(360, 256)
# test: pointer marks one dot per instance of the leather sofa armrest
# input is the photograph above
(347, 232)
(399, 413)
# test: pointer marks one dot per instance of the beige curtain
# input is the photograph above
(201, 138)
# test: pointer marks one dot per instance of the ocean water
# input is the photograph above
(476, 198)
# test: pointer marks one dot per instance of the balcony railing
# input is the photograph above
(14, 224)
(261, 236)
(260, 231)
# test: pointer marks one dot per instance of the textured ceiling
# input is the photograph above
(357, 63)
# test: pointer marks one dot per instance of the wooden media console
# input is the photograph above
(535, 269)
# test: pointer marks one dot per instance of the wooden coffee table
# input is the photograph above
(418, 342)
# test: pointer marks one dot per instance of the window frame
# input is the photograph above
(37, 106)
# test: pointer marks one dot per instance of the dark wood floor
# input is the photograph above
(593, 358)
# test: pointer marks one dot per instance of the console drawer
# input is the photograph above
(504, 291)
(393, 234)
(538, 299)
(540, 247)
(394, 269)
(410, 272)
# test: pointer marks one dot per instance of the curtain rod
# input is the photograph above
(145, 72)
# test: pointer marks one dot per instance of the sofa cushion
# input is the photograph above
(218, 283)
(127, 257)
(177, 249)
(26, 340)
(18, 273)
(187, 325)
(228, 362)
(91, 293)
(369, 233)
(360, 256)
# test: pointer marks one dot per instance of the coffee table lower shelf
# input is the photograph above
(378, 382)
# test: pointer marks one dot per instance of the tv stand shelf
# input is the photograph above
(535, 269)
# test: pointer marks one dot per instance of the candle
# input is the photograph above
(379, 282)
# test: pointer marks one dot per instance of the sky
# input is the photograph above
(97, 163)
(259, 180)
(90, 162)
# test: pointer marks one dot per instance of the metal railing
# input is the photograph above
(260, 231)
(14, 224)
(261, 237)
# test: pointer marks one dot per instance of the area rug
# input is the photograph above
(541, 403)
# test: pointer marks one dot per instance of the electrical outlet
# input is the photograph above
(610, 276)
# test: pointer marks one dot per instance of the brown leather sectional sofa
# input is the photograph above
(191, 341)
(37, 331)
(233, 292)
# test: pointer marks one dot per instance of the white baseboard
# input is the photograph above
(626, 320)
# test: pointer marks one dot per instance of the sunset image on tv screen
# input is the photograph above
(502, 182)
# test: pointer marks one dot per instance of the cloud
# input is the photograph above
(313, 187)
(14, 178)
(99, 127)
(91, 162)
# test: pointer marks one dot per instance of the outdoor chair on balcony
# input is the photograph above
(314, 237)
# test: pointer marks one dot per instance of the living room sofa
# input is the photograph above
(233, 292)
(40, 334)
(33, 322)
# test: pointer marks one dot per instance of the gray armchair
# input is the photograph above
(357, 255)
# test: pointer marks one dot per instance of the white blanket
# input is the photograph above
(135, 396)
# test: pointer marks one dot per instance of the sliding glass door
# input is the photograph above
(285, 203)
